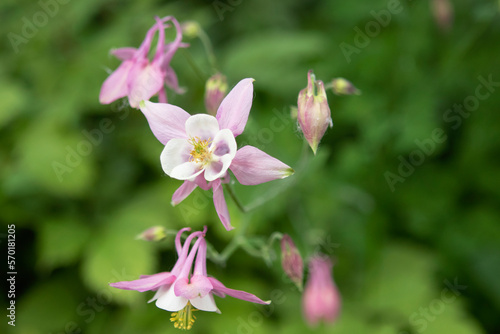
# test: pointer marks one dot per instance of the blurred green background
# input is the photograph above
(398, 245)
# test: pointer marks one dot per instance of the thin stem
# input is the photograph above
(193, 65)
(205, 40)
(235, 198)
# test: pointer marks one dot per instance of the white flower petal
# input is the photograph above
(176, 152)
(170, 302)
(217, 169)
(206, 303)
(161, 291)
(202, 126)
(187, 171)
(224, 149)
(224, 143)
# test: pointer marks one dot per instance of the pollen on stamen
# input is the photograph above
(200, 152)
(184, 319)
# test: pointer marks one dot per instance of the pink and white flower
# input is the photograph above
(181, 292)
(313, 112)
(321, 299)
(137, 77)
(200, 149)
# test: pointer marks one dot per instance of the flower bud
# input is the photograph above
(190, 29)
(341, 86)
(215, 91)
(321, 299)
(313, 111)
(155, 233)
(442, 10)
(291, 261)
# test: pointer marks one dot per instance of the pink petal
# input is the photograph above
(178, 246)
(221, 289)
(202, 126)
(151, 282)
(143, 50)
(171, 48)
(115, 86)
(124, 53)
(220, 204)
(202, 183)
(251, 166)
(162, 96)
(234, 109)
(176, 152)
(144, 82)
(165, 120)
(199, 286)
(172, 82)
(182, 192)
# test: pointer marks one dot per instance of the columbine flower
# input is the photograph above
(201, 148)
(137, 77)
(291, 261)
(182, 293)
(215, 90)
(313, 111)
(321, 299)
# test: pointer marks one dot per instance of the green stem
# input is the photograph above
(205, 40)
(236, 200)
(193, 65)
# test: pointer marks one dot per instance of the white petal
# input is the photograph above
(187, 171)
(170, 302)
(176, 152)
(161, 291)
(202, 126)
(206, 303)
(224, 143)
(217, 169)
(224, 149)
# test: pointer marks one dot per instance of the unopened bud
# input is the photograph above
(155, 233)
(341, 86)
(215, 91)
(190, 29)
(313, 111)
(291, 261)
(442, 10)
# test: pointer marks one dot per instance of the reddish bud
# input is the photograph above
(215, 91)
(313, 111)
(291, 261)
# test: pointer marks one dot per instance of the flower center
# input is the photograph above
(200, 152)
(184, 319)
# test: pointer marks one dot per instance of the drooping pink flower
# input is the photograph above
(313, 112)
(137, 77)
(183, 292)
(321, 299)
(200, 149)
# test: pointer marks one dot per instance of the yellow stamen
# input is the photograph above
(184, 319)
(200, 152)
